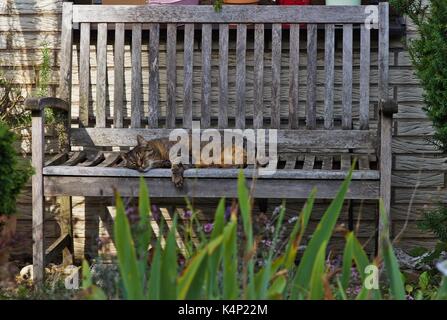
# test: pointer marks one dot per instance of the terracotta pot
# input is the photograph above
(241, 2)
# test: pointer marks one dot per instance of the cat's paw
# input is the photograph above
(177, 176)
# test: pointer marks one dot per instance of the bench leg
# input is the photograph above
(38, 198)
(385, 177)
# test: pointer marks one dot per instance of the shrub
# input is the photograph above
(14, 171)
(428, 54)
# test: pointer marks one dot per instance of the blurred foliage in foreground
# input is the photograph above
(223, 266)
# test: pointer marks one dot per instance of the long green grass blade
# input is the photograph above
(127, 258)
(191, 282)
(276, 290)
(169, 266)
(215, 259)
(230, 261)
(298, 231)
(144, 232)
(245, 207)
(321, 235)
(316, 290)
(397, 287)
(154, 285)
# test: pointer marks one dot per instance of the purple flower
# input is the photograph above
(187, 214)
(132, 214)
(207, 228)
(267, 243)
(156, 213)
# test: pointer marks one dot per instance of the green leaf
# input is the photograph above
(316, 290)
(144, 233)
(230, 260)
(190, 283)
(298, 231)
(215, 259)
(397, 286)
(154, 286)
(245, 207)
(127, 259)
(169, 267)
(321, 235)
(277, 288)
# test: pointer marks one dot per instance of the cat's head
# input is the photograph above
(139, 158)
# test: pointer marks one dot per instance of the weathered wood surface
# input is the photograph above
(188, 75)
(136, 107)
(306, 173)
(118, 98)
(288, 140)
(228, 14)
(206, 187)
(101, 76)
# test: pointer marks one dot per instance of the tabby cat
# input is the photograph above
(149, 154)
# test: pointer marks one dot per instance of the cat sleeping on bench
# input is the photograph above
(149, 154)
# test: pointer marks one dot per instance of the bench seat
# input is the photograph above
(80, 175)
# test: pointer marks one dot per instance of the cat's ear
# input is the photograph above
(140, 140)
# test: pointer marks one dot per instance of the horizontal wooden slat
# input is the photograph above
(288, 140)
(206, 187)
(208, 173)
(228, 14)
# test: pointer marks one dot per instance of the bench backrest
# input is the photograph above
(191, 70)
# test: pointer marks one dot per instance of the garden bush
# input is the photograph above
(428, 54)
(14, 171)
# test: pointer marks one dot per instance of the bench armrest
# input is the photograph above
(388, 107)
(39, 104)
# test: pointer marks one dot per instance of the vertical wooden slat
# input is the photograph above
(363, 162)
(136, 108)
(188, 75)
(66, 55)
(223, 76)
(329, 51)
(290, 162)
(258, 107)
(365, 47)
(84, 74)
(386, 122)
(309, 162)
(294, 75)
(327, 163)
(241, 45)
(118, 86)
(154, 78)
(345, 161)
(206, 76)
(172, 74)
(276, 75)
(101, 76)
(347, 77)
(311, 105)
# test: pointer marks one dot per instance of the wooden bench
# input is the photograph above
(316, 141)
